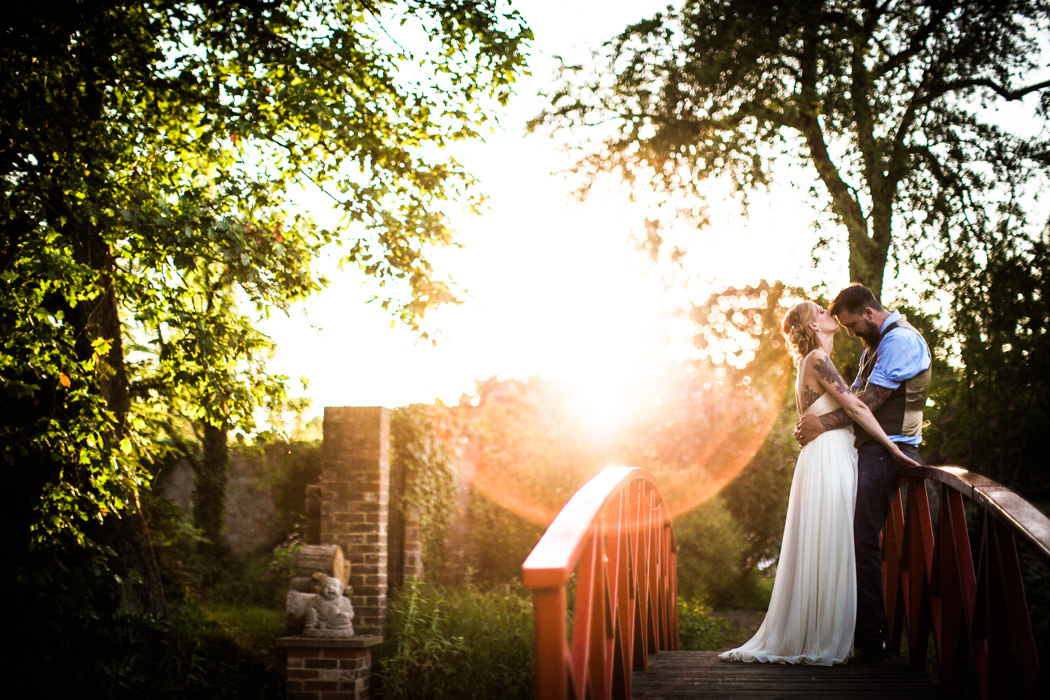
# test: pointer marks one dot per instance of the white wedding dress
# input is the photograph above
(814, 603)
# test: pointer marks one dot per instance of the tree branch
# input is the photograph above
(1002, 91)
(917, 43)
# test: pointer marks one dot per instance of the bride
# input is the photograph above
(814, 602)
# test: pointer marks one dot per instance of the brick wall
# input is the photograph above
(250, 517)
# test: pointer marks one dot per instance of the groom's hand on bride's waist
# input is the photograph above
(807, 429)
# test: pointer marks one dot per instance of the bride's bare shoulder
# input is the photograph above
(813, 362)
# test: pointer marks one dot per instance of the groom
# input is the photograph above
(894, 380)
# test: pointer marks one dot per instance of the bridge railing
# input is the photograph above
(613, 544)
(977, 612)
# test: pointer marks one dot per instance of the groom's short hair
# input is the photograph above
(854, 299)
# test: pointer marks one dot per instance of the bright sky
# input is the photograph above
(550, 285)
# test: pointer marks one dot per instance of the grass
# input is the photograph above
(253, 629)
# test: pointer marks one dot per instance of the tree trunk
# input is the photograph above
(867, 264)
(139, 582)
(209, 492)
(140, 589)
(868, 254)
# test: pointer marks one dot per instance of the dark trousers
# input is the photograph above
(876, 487)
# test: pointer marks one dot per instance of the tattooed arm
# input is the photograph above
(809, 427)
(857, 409)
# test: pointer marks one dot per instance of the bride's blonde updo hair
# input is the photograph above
(801, 339)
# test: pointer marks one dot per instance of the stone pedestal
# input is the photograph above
(355, 500)
(328, 669)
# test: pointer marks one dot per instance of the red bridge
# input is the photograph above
(611, 551)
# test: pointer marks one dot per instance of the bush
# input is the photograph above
(698, 628)
(423, 481)
(754, 591)
(457, 643)
(253, 579)
(499, 541)
(711, 561)
(177, 545)
(136, 656)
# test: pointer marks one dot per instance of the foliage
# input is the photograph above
(757, 497)
(528, 453)
(177, 545)
(911, 118)
(892, 108)
(149, 215)
(698, 628)
(420, 437)
(258, 579)
(254, 579)
(710, 552)
(524, 446)
(997, 411)
(754, 591)
(738, 338)
(457, 643)
(193, 570)
(498, 541)
(124, 656)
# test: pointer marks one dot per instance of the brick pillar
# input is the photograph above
(328, 669)
(355, 496)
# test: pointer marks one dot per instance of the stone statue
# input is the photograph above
(329, 614)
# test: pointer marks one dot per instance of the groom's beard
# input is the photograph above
(870, 340)
(869, 336)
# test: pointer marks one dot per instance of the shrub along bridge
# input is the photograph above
(612, 548)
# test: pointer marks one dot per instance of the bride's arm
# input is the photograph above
(858, 411)
(809, 427)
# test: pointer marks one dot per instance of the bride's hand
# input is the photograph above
(901, 458)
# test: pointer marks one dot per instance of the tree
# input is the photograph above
(893, 104)
(150, 159)
(996, 414)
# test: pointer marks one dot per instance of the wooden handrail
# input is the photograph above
(978, 615)
(615, 535)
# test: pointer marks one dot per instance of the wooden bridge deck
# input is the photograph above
(678, 675)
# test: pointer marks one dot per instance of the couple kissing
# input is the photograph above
(827, 604)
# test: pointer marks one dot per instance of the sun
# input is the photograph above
(603, 400)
